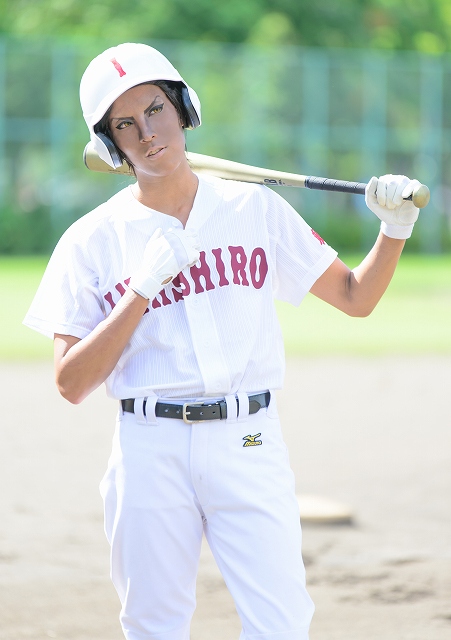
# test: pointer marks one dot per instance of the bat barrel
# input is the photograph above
(236, 171)
(94, 163)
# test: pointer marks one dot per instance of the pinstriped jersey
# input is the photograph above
(213, 330)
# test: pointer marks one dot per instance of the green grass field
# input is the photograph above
(414, 317)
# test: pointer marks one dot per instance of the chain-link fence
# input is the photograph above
(336, 113)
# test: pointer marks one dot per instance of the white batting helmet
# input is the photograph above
(115, 71)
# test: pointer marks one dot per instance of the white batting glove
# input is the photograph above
(384, 196)
(165, 256)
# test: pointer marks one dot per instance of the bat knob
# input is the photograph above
(421, 196)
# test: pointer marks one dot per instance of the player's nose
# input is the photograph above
(146, 131)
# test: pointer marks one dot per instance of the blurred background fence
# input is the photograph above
(340, 113)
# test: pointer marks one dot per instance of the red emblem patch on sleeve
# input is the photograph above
(118, 67)
(318, 237)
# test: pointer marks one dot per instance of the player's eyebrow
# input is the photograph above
(150, 107)
(146, 111)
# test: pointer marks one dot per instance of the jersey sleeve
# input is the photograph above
(299, 254)
(67, 300)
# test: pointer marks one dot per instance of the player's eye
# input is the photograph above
(124, 124)
(158, 108)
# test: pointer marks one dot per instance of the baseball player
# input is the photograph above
(165, 294)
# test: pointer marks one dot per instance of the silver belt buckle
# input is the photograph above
(185, 413)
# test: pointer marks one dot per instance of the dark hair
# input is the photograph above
(173, 91)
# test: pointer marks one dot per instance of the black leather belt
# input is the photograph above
(198, 411)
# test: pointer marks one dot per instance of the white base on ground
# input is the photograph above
(319, 510)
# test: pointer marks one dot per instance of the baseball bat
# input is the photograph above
(246, 173)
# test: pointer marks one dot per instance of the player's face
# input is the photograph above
(146, 127)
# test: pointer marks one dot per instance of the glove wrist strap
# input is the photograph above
(145, 286)
(397, 231)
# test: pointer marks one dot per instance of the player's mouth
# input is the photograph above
(152, 153)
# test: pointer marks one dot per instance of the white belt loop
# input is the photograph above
(243, 407)
(232, 408)
(139, 411)
(150, 410)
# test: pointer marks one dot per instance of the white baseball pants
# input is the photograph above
(168, 482)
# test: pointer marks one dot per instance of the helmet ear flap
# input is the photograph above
(112, 150)
(191, 117)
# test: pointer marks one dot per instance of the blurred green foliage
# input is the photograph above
(25, 232)
(421, 25)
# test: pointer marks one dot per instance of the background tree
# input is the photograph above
(422, 25)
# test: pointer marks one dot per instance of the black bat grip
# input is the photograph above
(420, 196)
(326, 184)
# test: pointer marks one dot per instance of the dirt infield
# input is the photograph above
(372, 433)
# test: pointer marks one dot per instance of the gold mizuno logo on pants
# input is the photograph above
(251, 441)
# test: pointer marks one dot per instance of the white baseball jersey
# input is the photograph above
(213, 330)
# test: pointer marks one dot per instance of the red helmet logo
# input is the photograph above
(118, 67)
